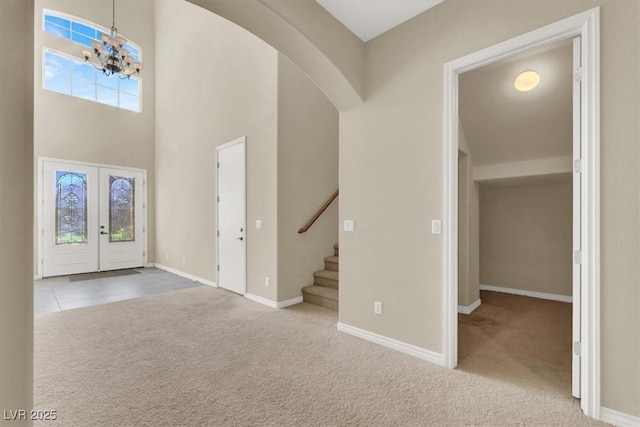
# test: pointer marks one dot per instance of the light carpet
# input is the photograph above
(203, 356)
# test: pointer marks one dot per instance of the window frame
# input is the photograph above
(95, 83)
(75, 19)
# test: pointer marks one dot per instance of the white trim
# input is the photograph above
(469, 309)
(618, 419)
(261, 300)
(242, 140)
(186, 275)
(523, 292)
(412, 350)
(273, 304)
(289, 302)
(587, 26)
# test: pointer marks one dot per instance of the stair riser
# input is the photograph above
(331, 266)
(320, 301)
(327, 283)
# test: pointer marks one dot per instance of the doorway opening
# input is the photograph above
(90, 218)
(515, 216)
(583, 165)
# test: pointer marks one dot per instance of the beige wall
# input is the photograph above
(526, 235)
(304, 32)
(16, 205)
(75, 129)
(307, 176)
(391, 175)
(468, 226)
(232, 94)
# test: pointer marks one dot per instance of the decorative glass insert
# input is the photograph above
(122, 213)
(70, 76)
(71, 208)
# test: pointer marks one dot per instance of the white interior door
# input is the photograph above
(231, 216)
(121, 219)
(70, 219)
(577, 218)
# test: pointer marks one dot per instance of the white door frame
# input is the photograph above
(241, 140)
(587, 26)
(40, 205)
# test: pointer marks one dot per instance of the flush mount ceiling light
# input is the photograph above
(110, 56)
(526, 81)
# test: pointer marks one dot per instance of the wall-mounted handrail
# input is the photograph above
(320, 211)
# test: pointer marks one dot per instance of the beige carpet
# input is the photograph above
(520, 340)
(203, 356)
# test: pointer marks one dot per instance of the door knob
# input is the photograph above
(240, 238)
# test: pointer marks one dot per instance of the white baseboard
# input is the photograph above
(618, 419)
(532, 294)
(186, 275)
(469, 309)
(289, 302)
(271, 303)
(412, 350)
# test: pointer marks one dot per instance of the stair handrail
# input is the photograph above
(319, 212)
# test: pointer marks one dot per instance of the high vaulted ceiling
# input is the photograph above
(504, 125)
(368, 19)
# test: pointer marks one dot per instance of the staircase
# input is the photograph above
(324, 291)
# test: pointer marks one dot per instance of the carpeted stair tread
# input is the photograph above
(326, 274)
(321, 291)
(331, 263)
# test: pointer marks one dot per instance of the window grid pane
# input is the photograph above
(52, 28)
(79, 79)
(73, 78)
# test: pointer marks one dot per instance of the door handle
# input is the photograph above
(240, 238)
(103, 232)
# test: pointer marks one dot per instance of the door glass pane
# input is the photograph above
(122, 209)
(71, 208)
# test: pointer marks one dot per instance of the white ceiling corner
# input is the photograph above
(368, 19)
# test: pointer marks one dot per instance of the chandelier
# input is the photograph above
(110, 56)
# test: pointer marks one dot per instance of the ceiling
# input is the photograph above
(370, 18)
(504, 125)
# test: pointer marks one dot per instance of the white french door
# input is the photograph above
(121, 229)
(92, 218)
(231, 240)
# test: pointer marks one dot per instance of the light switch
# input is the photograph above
(349, 225)
(436, 226)
(258, 224)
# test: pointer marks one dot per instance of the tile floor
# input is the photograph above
(58, 293)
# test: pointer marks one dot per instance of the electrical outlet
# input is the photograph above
(377, 307)
(349, 225)
(436, 226)
(267, 282)
(258, 224)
